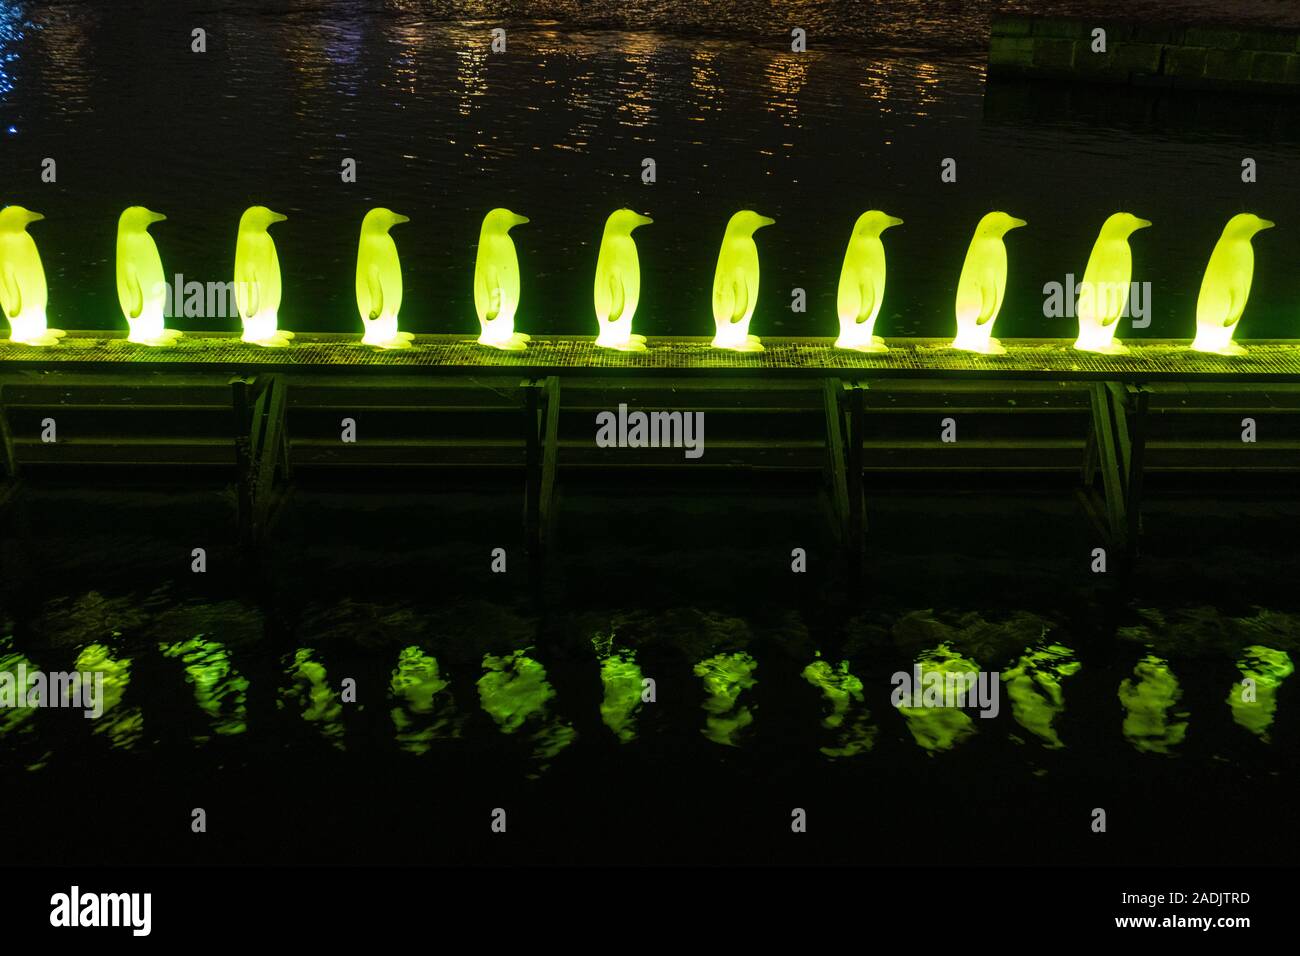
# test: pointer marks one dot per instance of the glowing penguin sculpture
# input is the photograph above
(735, 283)
(618, 282)
(862, 283)
(496, 282)
(1226, 286)
(23, 293)
(257, 278)
(982, 284)
(141, 289)
(1105, 288)
(379, 281)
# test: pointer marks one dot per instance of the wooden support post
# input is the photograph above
(1116, 445)
(532, 467)
(835, 457)
(857, 435)
(261, 444)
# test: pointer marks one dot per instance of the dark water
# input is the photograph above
(556, 128)
(472, 695)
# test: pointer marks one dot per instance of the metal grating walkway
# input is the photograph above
(1048, 359)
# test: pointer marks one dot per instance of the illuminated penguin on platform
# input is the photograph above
(141, 289)
(257, 278)
(862, 283)
(1226, 286)
(735, 283)
(379, 281)
(496, 282)
(982, 284)
(1104, 292)
(618, 282)
(23, 293)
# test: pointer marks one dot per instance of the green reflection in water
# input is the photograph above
(1267, 667)
(317, 702)
(422, 712)
(122, 725)
(514, 691)
(939, 728)
(842, 693)
(621, 677)
(726, 676)
(14, 721)
(1147, 707)
(220, 691)
(1034, 686)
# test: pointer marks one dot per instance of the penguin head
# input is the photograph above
(500, 221)
(1245, 224)
(872, 223)
(1122, 225)
(997, 224)
(258, 218)
(380, 220)
(621, 222)
(138, 219)
(16, 218)
(747, 222)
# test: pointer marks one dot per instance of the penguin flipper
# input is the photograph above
(11, 293)
(375, 289)
(246, 293)
(616, 298)
(491, 293)
(739, 298)
(134, 296)
(988, 302)
(1234, 313)
(866, 301)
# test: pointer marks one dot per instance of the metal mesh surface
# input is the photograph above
(908, 358)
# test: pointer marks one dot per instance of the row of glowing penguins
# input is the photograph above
(1104, 291)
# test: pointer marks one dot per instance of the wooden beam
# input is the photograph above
(835, 457)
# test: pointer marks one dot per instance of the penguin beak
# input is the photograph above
(35, 216)
(892, 221)
(155, 216)
(1142, 224)
(517, 219)
(278, 217)
(1016, 223)
(398, 218)
(765, 221)
(1265, 224)
(644, 220)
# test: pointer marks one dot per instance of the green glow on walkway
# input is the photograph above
(219, 689)
(726, 677)
(1267, 667)
(842, 693)
(514, 691)
(1034, 686)
(421, 712)
(1148, 702)
(122, 725)
(309, 691)
(937, 729)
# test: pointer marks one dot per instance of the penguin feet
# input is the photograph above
(864, 346)
(164, 337)
(996, 347)
(1231, 348)
(639, 339)
(877, 340)
(511, 344)
(48, 337)
(276, 340)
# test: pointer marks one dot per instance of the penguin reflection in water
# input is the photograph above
(862, 283)
(1226, 286)
(1107, 279)
(982, 285)
(735, 283)
(379, 281)
(496, 282)
(257, 278)
(618, 282)
(23, 294)
(141, 289)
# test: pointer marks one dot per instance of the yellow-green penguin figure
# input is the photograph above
(1104, 292)
(496, 282)
(379, 281)
(735, 283)
(23, 293)
(862, 283)
(982, 284)
(257, 278)
(1226, 286)
(141, 289)
(618, 282)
